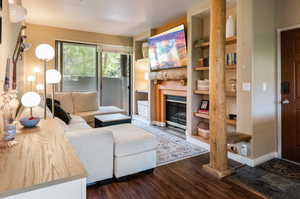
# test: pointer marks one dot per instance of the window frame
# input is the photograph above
(59, 44)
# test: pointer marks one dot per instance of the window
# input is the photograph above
(111, 65)
(79, 66)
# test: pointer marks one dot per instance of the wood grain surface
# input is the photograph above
(180, 180)
(42, 157)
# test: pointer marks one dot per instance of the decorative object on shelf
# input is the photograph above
(171, 74)
(30, 100)
(230, 27)
(145, 50)
(46, 53)
(232, 116)
(231, 59)
(203, 129)
(204, 62)
(203, 85)
(232, 83)
(53, 77)
(204, 106)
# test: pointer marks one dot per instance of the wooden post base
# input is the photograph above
(216, 173)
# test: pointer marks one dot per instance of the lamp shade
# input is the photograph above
(39, 87)
(36, 69)
(31, 99)
(53, 76)
(44, 52)
(31, 78)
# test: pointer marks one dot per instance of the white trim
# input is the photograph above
(278, 102)
(264, 158)
(236, 157)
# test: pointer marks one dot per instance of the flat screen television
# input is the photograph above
(168, 50)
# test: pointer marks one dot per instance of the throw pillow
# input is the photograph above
(58, 111)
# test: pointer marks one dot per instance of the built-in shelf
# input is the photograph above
(231, 122)
(205, 140)
(201, 115)
(232, 138)
(199, 92)
(230, 67)
(141, 91)
(206, 116)
(206, 68)
(230, 40)
(230, 94)
(201, 68)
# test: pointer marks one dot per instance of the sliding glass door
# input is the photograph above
(115, 80)
(86, 68)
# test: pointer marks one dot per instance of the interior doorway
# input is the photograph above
(290, 94)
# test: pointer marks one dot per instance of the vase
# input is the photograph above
(230, 27)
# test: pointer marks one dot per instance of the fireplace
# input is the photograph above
(176, 112)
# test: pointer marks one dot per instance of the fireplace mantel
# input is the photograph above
(162, 89)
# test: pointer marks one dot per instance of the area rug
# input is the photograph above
(272, 179)
(171, 148)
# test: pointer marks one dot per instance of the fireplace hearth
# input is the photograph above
(176, 112)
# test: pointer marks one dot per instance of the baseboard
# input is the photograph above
(236, 157)
(264, 158)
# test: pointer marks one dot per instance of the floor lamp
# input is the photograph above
(46, 53)
(53, 77)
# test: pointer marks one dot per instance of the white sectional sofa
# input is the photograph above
(118, 151)
(84, 104)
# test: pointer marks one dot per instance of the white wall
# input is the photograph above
(9, 36)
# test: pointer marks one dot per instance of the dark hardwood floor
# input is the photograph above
(180, 180)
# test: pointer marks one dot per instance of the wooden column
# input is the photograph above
(218, 165)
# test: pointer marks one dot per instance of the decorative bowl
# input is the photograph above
(30, 122)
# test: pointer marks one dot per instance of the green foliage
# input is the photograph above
(111, 65)
(79, 60)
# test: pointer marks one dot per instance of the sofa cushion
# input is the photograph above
(66, 101)
(130, 139)
(59, 111)
(76, 119)
(89, 115)
(85, 101)
(77, 126)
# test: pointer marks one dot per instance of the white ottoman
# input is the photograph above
(134, 149)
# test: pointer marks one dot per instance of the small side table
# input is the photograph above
(111, 119)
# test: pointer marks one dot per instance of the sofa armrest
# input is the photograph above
(95, 150)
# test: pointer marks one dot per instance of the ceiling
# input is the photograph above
(117, 17)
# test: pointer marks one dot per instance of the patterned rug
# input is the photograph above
(171, 148)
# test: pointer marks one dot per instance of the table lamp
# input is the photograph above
(46, 53)
(53, 77)
(30, 100)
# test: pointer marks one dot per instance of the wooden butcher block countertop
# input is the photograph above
(42, 157)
